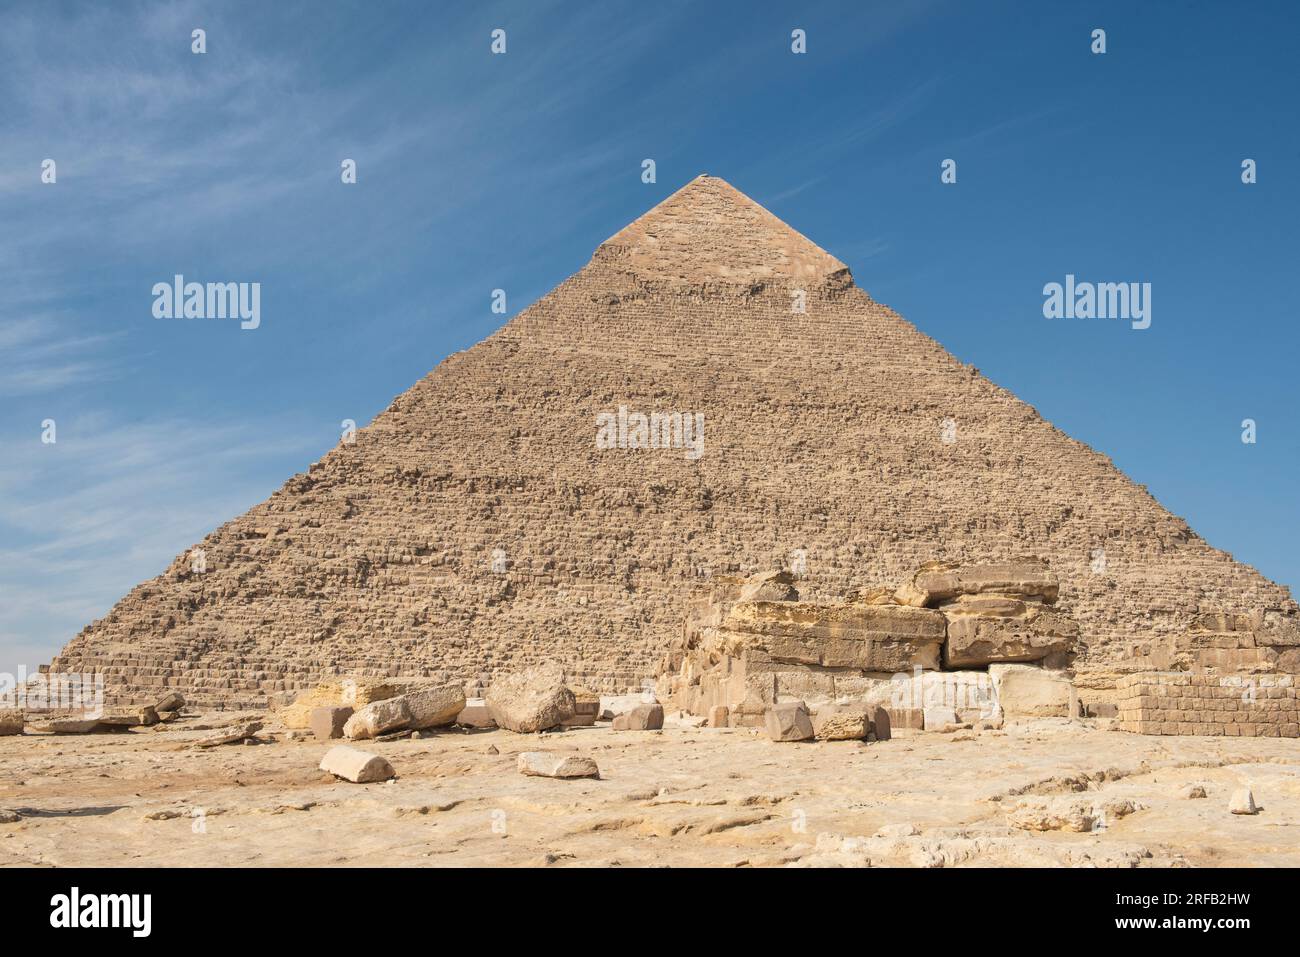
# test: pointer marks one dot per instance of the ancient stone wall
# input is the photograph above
(1261, 706)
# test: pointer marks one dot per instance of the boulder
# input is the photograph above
(881, 724)
(327, 722)
(434, 707)
(788, 721)
(172, 701)
(232, 735)
(718, 716)
(535, 699)
(376, 718)
(938, 582)
(1243, 802)
(841, 724)
(544, 764)
(359, 767)
(12, 721)
(644, 717)
(982, 639)
(1026, 691)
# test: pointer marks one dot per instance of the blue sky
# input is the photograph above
(478, 171)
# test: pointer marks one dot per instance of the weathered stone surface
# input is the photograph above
(769, 586)
(1250, 706)
(434, 707)
(143, 717)
(612, 705)
(171, 701)
(938, 717)
(549, 765)
(644, 717)
(359, 767)
(356, 693)
(12, 721)
(531, 700)
(882, 724)
(476, 714)
(718, 716)
(378, 717)
(841, 724)
(73, 725)
(939, 582)
(328, 722)
(982, 639)
(1243, 802)
(232, 735)
(788, 721)
(1069, 814)
(1025, 691)
(882, 638)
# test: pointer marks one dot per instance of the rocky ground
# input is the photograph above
(1040, 793)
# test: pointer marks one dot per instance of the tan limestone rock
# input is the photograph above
(359, 767)
(531, 700)
(548, 765)
(788, 721)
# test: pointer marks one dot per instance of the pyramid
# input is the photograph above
(476, 525)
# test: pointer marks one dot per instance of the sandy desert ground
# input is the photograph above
(678, 797)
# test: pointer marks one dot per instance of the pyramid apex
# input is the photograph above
(709, 231)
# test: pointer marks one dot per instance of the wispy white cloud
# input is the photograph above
(109, 504)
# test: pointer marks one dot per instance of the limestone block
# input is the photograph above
(841, 724)
(612, 705)
(12, 721)
(548, 765)
(376, 718)
(327, 722)
(354, 692)
(359, 767)
(1031, 636)
(645, 717)
(940, 581)
(434, 707)
(1025, 691)
(531, 700)
(788, 721)
(1243, 802)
